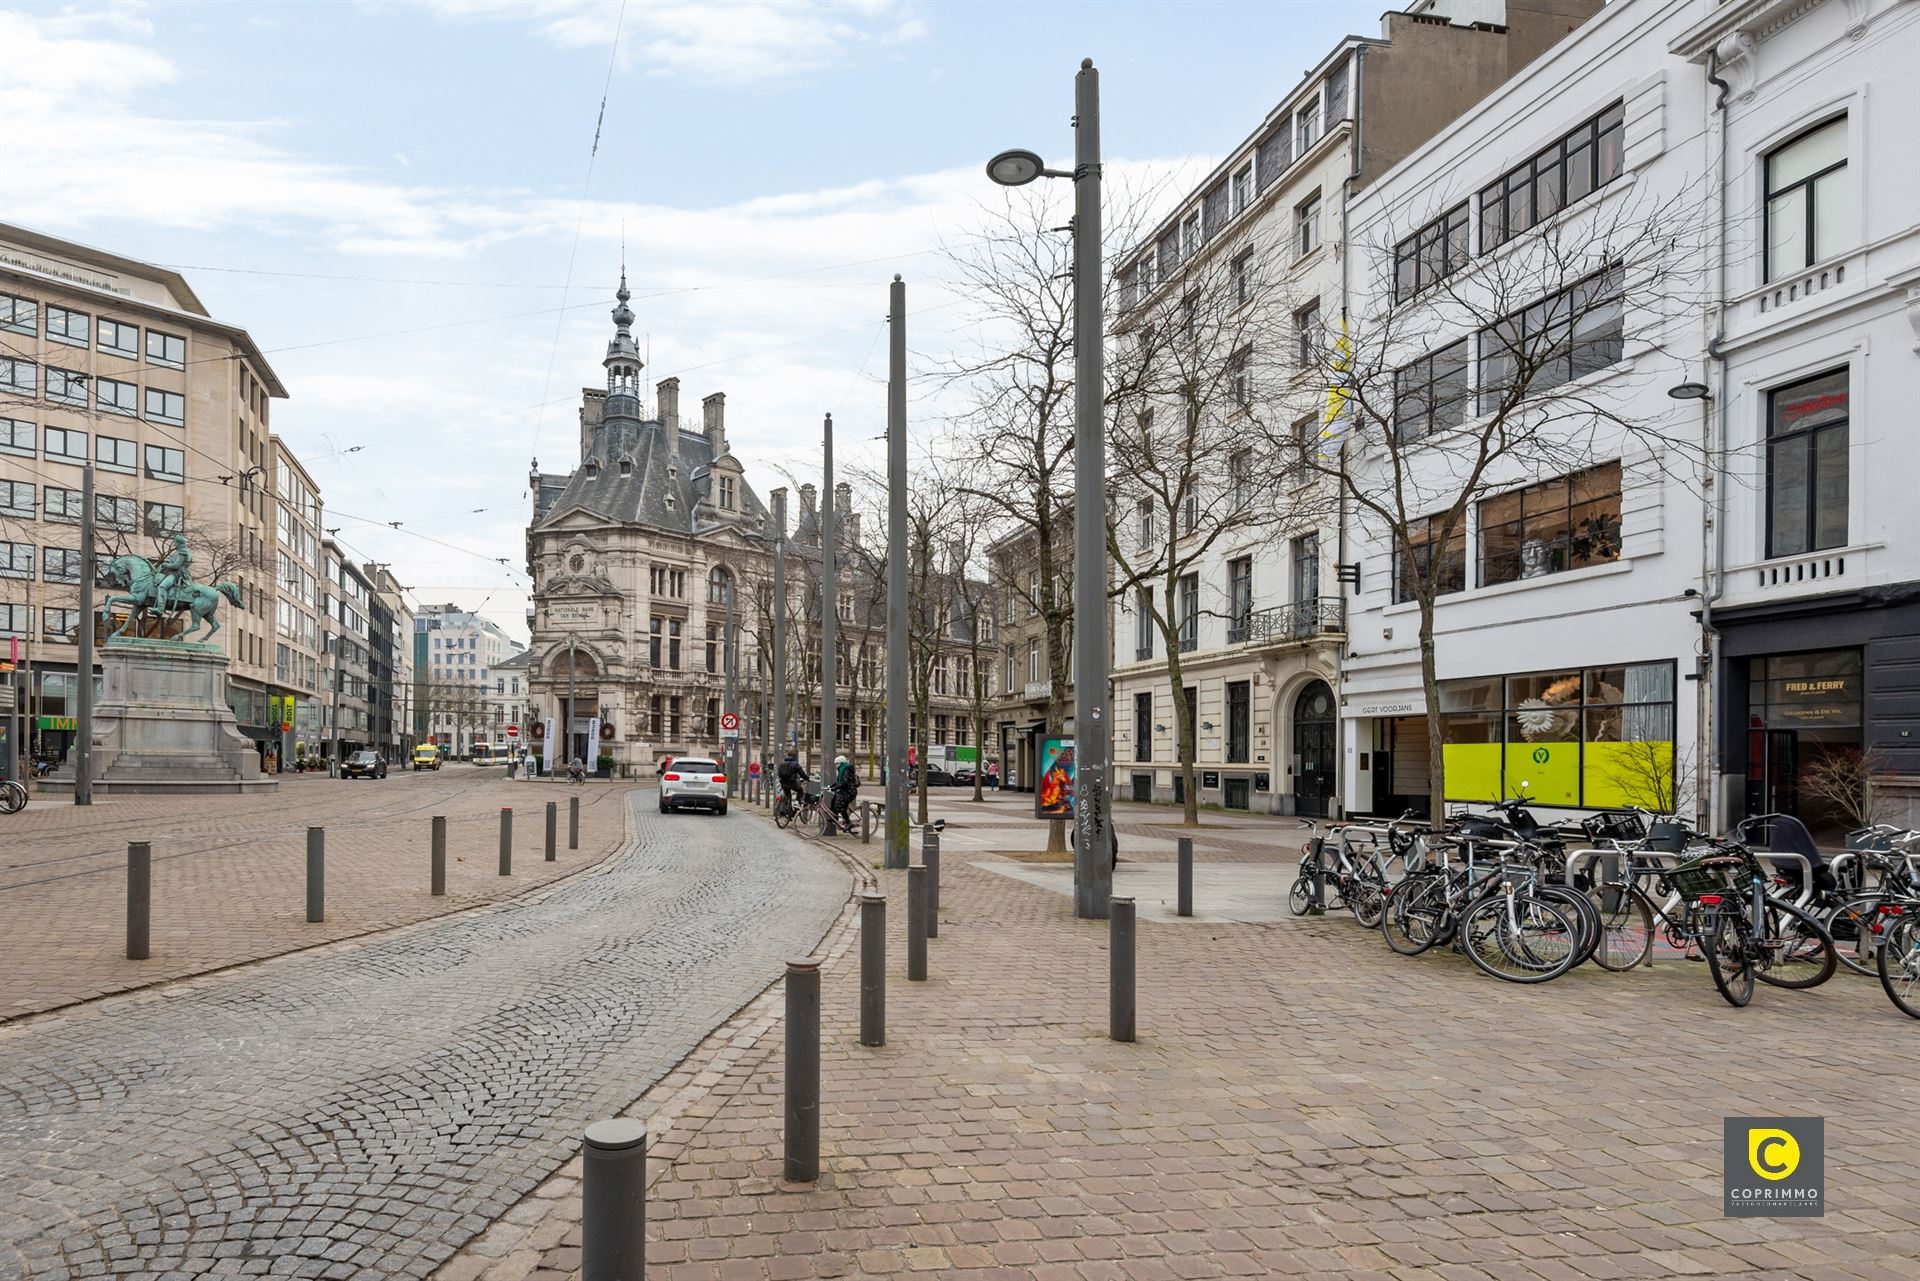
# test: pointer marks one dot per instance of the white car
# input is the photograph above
(693, 782)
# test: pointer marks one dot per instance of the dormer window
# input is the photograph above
(626, 466)
(726, 493)
(593, 468)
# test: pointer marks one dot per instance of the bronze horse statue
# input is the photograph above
(143, 588)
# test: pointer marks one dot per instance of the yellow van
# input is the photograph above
(426, 757)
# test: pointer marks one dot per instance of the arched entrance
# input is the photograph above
(1315, 731)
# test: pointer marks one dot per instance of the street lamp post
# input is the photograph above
(83, 739)
(732, 705)
(1092, 868)
(829, 607)
(779, 607)
(896, 757)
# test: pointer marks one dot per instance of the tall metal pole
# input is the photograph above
(780, 622)
(1093, 871)
(896, 754)
(566, 721)
(730, 661)
(333, 757)
(829, 606)
(83, 740)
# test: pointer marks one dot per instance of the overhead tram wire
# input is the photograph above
(586, 191)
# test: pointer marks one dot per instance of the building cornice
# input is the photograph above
(1734, 29)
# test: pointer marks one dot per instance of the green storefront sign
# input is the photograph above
(64, 723)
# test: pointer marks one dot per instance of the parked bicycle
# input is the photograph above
(13, 796)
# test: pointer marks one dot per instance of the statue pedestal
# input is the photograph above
(162, 723)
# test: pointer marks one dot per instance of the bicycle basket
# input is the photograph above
(1690, 879)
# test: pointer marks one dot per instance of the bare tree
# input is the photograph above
(1196, 371)
(1651, 775)
(1462, 375)
(1852, 783)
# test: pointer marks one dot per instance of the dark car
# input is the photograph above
(364, 765)
(963, 777)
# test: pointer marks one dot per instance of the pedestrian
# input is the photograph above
(993, 776)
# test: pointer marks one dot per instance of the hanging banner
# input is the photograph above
(546, 757)
(593, 742)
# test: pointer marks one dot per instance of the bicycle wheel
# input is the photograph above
(1899, 965)
(1851, 925)
(1581, 911)
(1521, 938)
(13, 797)
(1300, 897)
(782, 812)
(1723, 937)
(1796, 951)
(1626, 928)
(1413, 916)
(1366, 903)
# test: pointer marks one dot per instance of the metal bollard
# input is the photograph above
(917, 923)
(1120, 969)
(1186, 876)
(613, 1201)
(866, 822)
(803, 1071)
(1318, 907)
(316, 874)
(139, 898)
(506, 840)
(930, 855)
(553, 829)
(573, 822)
(873, 969)
(439, 855)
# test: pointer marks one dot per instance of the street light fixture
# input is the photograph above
(1092, 866)
(1690, 391)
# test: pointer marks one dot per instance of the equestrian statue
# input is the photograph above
(166, 588)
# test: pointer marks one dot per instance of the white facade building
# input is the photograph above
(1565, 638)
(459, 683)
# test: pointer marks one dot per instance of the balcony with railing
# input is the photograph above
(1303, 620)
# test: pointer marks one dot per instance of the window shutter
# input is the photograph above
(1213, 212)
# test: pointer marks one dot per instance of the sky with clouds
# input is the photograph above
(401, 202)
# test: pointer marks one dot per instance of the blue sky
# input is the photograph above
(770, 166)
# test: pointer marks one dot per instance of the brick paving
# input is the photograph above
(229, 872)
(1301, 1102)
(364, 1109)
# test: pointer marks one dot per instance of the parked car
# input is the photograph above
(426, 757)
(364, 765)
(693, 782)
(936, 777)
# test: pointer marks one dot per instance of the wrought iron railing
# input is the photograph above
(1302, 620)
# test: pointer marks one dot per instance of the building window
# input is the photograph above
(63, 446)
(655, 725)
(1240, 477)
(1305, 431)
(60, 624)
(1239, 599)
(20, 315)
(1306, 226)
(1443, 565)
(166, 464)
(16, 437)
(1143, 624)
(1551, 527)
(1189, 514)
(166, 407)
(1239, 722)
(1560, 338)
(1807, 199)
(66, 387)
(1807, 475)
(19, 377)
(1242, 187)
(1306, 567)
(166, 349)
(1240, 379)
(16, 498)
(1033, 659)
(1431, 393)
(1306, 126)
(1144, 513)
(116, 397)
(13, 620)
(1143, 727)
(1190, 236)
(114, 513)
(1010, 681)
(1188, 622)
(726, 492)
(1430, 254)
(1577, 164)
(114, 454)
(1243, 278)
(1306, 334)
(1033, 592)
(16, 560)
(59, 565)
(117, 338)
(166, 519)
(73, 328)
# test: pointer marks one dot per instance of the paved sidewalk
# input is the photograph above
(229, 872)
(1301, 1102)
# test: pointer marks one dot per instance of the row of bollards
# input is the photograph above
(613, 1182)
(140, 869)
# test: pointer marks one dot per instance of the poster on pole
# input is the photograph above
(546, 762)
(1053, 798)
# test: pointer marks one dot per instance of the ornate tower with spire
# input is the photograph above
(623, 360)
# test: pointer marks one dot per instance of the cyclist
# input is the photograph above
(846, 785)
(793, 779)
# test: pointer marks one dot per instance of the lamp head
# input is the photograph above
(1015, 168)
(1690, 391)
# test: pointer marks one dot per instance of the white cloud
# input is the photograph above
(752, 42)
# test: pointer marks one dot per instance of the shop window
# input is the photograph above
(1239, 720)
(1557, 525)
(1807, 465)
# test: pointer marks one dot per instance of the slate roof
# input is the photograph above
(640, 497)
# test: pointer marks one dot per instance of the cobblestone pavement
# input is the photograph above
(363, 1110)
(1301, 1102)
(229, 872)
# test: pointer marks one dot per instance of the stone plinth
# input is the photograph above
(162, 723)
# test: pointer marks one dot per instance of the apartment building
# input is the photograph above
(1810, 604)
(348, 713)
(1028, 704)
(455, 654)
(114, 363)
(1235, 542)
(390, 662)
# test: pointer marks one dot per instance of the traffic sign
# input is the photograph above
(730, 725)
(513, 731)
(753, 769)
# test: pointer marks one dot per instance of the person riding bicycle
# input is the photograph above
(793, 779)
(846, 785)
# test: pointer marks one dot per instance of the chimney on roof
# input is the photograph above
(666, 395)
(777, 501)
(807, 492)
(843, 499)
(853, 530)
(714, 415)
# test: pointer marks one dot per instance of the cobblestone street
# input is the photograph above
(366, 1108)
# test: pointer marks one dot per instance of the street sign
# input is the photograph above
(513, 731)
(730, 725)
(753, 769)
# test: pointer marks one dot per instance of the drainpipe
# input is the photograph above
(1715, 433)
(1346, 270)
